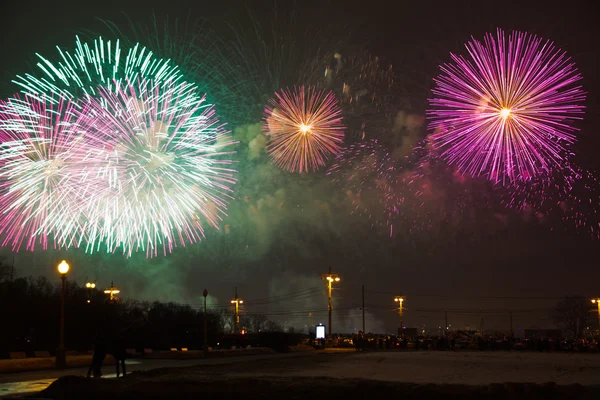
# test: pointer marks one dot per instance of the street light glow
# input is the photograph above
(63, 267)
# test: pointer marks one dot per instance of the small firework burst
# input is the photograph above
(304, 127)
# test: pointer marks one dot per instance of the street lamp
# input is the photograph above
(90, 286)
(111, 292)
(236, 302)
(330, 278)
(400, 301)
(597, 301)
(61, 357)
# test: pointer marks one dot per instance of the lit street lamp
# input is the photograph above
(111, 292)
(90, 286)
(61, 357)
(400, 301)
(330, 278)
(237, 301)
(597, 301)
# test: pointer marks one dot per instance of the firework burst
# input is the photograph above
(304, 127)
(506, 111)
(167, 168)
(45, 174)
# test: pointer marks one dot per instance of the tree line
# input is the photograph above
(30, 315)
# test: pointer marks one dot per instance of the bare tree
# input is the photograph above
(5, 271)
(572, 315)
(253, 322)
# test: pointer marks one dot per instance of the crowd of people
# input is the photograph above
(454, 342)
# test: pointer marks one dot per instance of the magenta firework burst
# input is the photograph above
(44, 172)
(304, 127)
(506, 110)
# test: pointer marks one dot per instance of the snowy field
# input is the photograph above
(444, 367)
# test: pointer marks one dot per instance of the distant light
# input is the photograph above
(505, 112)
(337, 279)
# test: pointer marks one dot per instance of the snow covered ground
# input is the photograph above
(470, 368)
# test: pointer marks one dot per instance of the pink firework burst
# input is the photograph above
(506, 110)
(304, 127)
(45, 177)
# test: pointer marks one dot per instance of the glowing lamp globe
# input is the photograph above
(63, 267)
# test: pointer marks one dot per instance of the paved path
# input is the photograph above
(27, 382)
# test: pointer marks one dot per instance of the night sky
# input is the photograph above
(285, 230)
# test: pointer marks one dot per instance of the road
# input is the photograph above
(27, 382)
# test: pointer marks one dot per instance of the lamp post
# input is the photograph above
(90, 286)
(205, 293)
(597, 301)
(61, 357)
(400, 301)
(111, 292)
(330, 278)
(236, 302)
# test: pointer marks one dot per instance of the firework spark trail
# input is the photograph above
(44, 172)
(103, 63)
(377, 185)
(410, 194)
(304, 126)
(563, 199)
(507, 111)
(171, 172)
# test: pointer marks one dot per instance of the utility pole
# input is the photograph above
(205, 294)
(363, 308)
(446, 319)
(236, 302)
(400, 300)
(330, 278)
(481, 326)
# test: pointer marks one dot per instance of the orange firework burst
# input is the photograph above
(304, 127)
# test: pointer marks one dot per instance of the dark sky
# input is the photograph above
(519, 266)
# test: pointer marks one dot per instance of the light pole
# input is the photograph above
(90, 286)
(597, 301)
(400, 301)
(330, 278)
(111, 292)
(237, 301)
(61, 357)
(205, 294)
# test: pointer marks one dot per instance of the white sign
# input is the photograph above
(320, 332)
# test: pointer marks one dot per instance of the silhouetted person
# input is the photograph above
(119, 353)
(98, 357)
